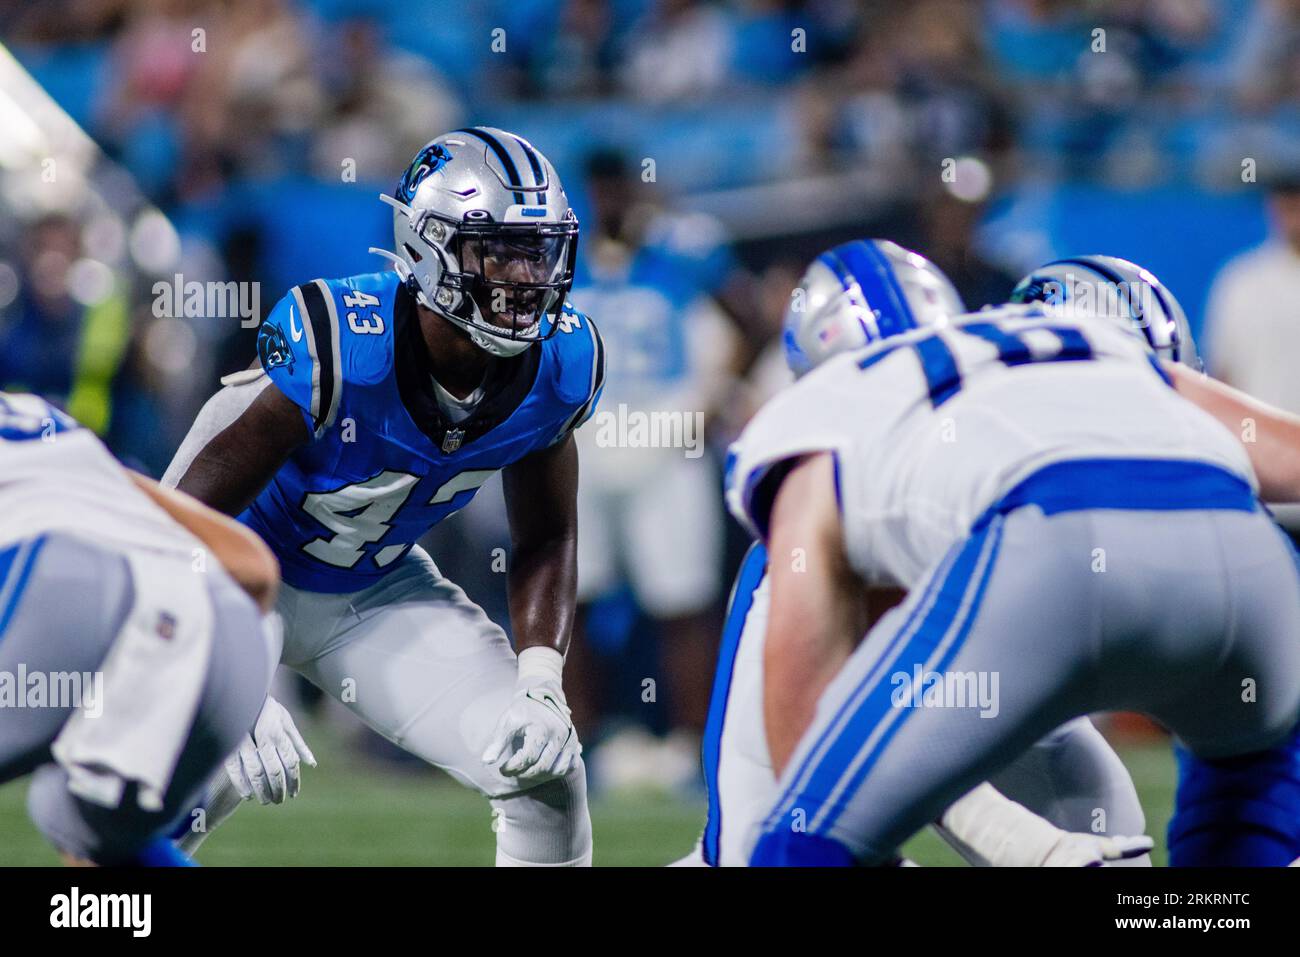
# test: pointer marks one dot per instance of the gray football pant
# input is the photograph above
(75, 603)
(1191, 617)
(1074, 779)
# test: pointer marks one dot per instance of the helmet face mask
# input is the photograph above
(514, 279)
(488, 248)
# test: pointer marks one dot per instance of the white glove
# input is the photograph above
(267, 764)
(534, 739)
(1095, 850)
(989, 829)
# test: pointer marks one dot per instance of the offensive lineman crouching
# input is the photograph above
(1068, 439)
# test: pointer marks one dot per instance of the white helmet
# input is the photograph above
(1116, 289)
(483, 232)
(858, 293)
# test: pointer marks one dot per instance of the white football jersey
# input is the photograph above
(931, 428)
(56, 476)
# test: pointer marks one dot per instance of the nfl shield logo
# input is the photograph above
(451, 440)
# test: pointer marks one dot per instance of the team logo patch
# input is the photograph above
(429, 159)
(273, 349)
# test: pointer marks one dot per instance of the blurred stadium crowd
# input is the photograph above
(710, 149)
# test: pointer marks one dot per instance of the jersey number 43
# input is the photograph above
(362, 514)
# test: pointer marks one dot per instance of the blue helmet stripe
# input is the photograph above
(875, 276)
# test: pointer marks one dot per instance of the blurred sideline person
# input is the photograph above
(1031, 531)
(851, 296)
(380, 404)
(669, 291)
(1245, 811)
(1252, 325)
(57, 343)
(142, 605)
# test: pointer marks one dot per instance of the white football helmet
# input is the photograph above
(1117, 289)
(483, 232)
(858, 293)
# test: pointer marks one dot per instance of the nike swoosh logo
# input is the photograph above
(293, 328)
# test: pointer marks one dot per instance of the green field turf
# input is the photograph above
(354, 811)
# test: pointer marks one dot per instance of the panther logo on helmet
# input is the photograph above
(428, 160)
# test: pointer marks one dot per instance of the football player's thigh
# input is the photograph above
(64, 614)
(426, 668)
(674, 537)
(993, 636)
(234, 689)
(1250, 701)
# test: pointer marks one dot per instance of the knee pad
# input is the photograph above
(1237, 812)
(545, 826)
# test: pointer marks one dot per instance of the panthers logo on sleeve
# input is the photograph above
(272, 348)
(298, 347)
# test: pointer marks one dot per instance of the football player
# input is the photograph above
(1072, 535)
(381, 404)
(669, 291)
(1244, 811)
(131, 662)
(850, 297)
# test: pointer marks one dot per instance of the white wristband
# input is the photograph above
(539, 661)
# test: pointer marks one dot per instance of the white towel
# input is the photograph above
(153, 679)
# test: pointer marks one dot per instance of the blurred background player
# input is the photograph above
(151, 604)
(677, 303)
(1252, 303)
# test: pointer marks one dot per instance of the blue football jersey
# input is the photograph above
(648, 300)
(384, 464)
